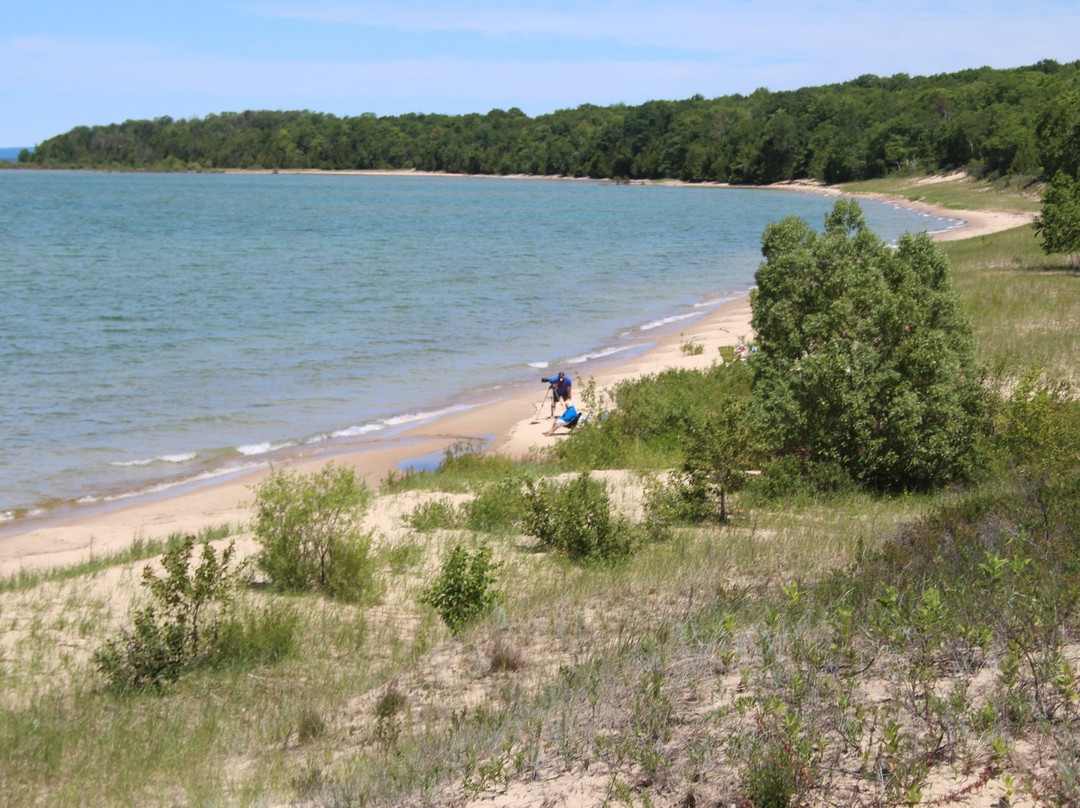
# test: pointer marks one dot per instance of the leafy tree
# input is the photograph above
(309, 527)
(1059, 221)
(866, 359)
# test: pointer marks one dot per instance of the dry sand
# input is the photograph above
(511, 420)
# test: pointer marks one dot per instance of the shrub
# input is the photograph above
(464, 589)
(181, 627)
(498, 507)
(575, 519)
(309, 529)
(866, 357)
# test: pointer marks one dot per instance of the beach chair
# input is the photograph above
(727, 354)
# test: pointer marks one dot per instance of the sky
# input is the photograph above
(66, 63)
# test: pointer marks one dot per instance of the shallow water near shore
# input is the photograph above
(158, 329)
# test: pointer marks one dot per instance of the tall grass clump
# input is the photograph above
(464, 467)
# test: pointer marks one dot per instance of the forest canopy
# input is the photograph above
(982, 120)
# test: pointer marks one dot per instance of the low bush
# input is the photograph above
(793, 478)
(464, 589)
(497, 508)
(434, 514)
(575, 519)
(309, 529)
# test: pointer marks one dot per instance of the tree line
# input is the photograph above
(983, 120)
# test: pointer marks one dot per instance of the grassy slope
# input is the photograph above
(663, 679)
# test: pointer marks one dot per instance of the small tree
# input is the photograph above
(717, 455)
(309, 527)
(1059, 221)
(865, 359)
(179, 628)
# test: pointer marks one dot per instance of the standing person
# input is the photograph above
(560, 390)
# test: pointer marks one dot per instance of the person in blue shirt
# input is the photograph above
(567, 419)
(560, 391)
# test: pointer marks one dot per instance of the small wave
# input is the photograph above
(204, 476)
(251, 449)
(667, 321)
(412, 417)
(183, 457)
(539, 365)
(712, 302)
(354, 431)
(577, 360)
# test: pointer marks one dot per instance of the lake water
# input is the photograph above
(157, 329)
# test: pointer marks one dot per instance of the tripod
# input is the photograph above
(540, 406)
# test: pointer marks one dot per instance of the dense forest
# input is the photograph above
(984, 120)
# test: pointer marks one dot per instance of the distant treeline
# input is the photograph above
(984, 120)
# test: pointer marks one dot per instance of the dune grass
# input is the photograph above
(722, 663)
(140, 549)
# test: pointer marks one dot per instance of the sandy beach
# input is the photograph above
(509, 424)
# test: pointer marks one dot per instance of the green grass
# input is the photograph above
(1023, 304)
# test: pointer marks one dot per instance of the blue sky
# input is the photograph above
(67, 62)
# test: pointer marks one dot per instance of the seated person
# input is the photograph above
(567, 419)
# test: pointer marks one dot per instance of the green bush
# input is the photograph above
(181, 627)
(575, 520)
(309, 529)
(497, 508)
(464, 589)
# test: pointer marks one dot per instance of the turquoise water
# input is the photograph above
(162, 328)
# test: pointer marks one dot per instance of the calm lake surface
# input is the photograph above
(158, 329)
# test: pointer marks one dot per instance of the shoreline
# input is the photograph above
(505, 424)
